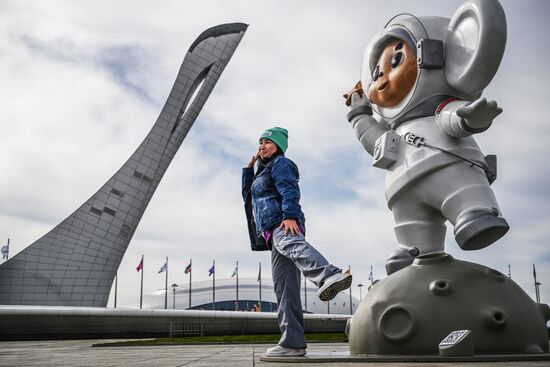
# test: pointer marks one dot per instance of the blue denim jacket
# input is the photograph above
(272, 195)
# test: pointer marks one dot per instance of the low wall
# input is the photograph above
(47, 322)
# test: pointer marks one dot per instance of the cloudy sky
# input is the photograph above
(82, 83)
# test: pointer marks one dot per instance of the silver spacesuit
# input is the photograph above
(435, 169)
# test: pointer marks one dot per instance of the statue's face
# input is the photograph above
(394, 75)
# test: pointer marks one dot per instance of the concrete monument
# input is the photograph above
(76, 262)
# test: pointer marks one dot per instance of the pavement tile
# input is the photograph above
(81, 353)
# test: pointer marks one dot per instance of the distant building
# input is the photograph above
(201, 297)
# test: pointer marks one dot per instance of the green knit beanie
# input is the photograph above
(278, 135)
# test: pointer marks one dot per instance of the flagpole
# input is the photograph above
(535, 281)
(166, 287)
(350, 299)
(537, 293)
(190, 274)
(141, 292)
(214, 285)
(237, 304)
(260, 288)
(116, 286)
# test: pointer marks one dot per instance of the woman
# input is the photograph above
(277, 223)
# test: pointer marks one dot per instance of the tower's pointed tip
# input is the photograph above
(219, 30)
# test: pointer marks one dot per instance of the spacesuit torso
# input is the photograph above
(414, 162)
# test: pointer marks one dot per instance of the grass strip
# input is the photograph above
(224, 339)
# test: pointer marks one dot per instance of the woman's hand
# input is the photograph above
(253, 160)
(290, 225)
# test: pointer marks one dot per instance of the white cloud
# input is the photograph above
(72, 110)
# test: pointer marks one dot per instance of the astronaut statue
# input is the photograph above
(422, 79)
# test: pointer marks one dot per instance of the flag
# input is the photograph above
(163, 267)
(6, 250)
(260, 273)
(211, 270)
(140, 266)
(235, 272)
(188, 268)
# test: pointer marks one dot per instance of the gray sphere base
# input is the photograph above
(344, 356)
(414, 309)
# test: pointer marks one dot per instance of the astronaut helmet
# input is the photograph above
(455, 57)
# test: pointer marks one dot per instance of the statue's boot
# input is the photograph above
(478, 228)
(402, 256)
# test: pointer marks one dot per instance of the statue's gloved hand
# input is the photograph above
(479, 114)
(365, 126)
(358, 102)
(356, 97)
(359, 99)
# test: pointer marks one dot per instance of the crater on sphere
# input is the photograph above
(397, 324)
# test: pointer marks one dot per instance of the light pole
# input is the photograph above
(350, 302)
(116, 286)
(360, 286)
(174, 295)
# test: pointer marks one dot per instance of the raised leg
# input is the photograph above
(307, 259)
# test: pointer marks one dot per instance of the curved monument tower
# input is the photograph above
(76, 262)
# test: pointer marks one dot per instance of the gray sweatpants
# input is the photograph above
(291, 255)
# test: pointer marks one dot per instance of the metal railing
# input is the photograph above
(178, 328)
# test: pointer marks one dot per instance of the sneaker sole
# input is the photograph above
(335, 288)
(286, 355)
(293, 353)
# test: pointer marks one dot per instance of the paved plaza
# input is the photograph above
(81, 353)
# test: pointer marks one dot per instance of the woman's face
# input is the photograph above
(267, 148)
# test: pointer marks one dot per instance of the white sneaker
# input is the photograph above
(279, 351)
(334, 284)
